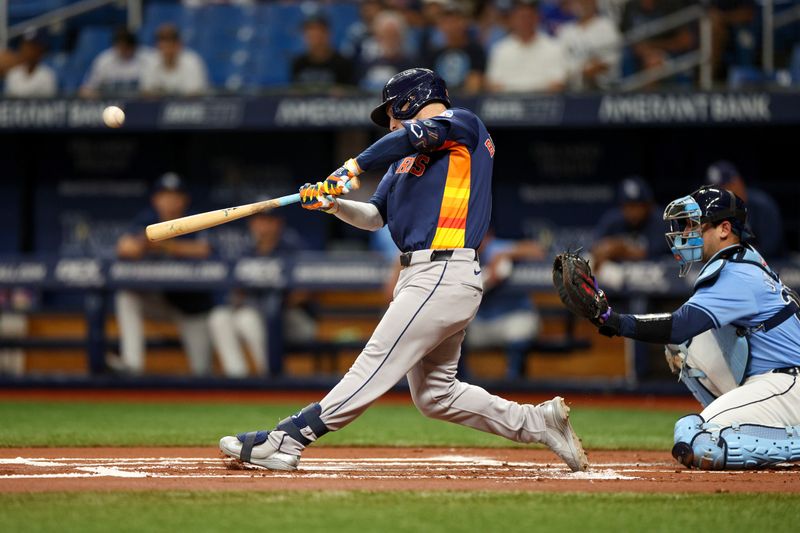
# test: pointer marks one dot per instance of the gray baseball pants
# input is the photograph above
(420, 337)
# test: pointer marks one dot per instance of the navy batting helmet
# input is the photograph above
(718, 204)
(411, 89)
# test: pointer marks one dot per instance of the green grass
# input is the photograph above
(395, 511)
(58, 424)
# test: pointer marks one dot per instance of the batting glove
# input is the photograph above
(312, 198)
(334, 185)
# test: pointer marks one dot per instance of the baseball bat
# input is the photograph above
(189, 224)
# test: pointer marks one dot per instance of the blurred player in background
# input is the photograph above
(118, 71)
(188, 309)
(436, 199)
(763, 214)
(632, 231)
(242, 319)
(506, 318)
(735, 342)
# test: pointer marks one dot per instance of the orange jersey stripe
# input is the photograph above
(450, 212)
(457, 223)
(451, 229)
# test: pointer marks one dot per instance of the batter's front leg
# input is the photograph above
(438, 394)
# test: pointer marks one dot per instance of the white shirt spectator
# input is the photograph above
(189, 75)
(41, 83)
(113, 74)
(516, 66)
(600, 40)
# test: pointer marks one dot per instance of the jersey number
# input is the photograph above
(414, 165)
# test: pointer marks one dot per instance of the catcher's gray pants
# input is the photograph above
(420, 337)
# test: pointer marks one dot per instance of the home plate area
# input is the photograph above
(371, 469)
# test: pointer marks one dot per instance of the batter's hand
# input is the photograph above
(312, 198)
(334, 185)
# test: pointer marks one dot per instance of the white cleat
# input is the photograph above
(262, 455)
(560, 437)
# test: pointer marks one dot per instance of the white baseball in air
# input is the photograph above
(113, 117)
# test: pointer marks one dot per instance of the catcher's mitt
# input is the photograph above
(576, 286)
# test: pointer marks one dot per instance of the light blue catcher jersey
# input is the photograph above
(745, 295)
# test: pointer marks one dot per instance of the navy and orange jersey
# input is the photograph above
(441, 196)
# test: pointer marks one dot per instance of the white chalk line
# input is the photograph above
(375, 468)
(382, 468)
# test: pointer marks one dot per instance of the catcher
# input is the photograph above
(735, 342)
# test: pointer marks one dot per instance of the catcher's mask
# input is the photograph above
(685, 237)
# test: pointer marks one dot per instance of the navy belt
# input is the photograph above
(791, 370)
(436, 255)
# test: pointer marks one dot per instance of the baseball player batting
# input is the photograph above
(436, 199)
(735, 342)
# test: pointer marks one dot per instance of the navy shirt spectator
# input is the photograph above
(655, 52)
(389, 57)
(189, 309)
(320, 66)
(359, 33)
(732, 33)
(763, 215)
(461, 61)
(632, 231)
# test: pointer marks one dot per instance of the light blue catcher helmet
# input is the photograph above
(684, 236)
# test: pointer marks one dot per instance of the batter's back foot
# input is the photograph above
(253, 448)
(559, 435)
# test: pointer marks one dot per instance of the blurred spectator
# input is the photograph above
(490, 21)
(118, 70)
(31, 78)
(461, 61)
(763, 215)
(656, 51)
(320, 66)
(554, 14)
(430, 36)
(632, 231)
(528, 59)
(188, 309)
(389, 29)
(243, 316)
(506, 317)
(176, 70)
(592, 45)
(732, 27)
(360, 32)
(201, 3)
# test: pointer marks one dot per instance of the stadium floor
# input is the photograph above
(374, 469)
